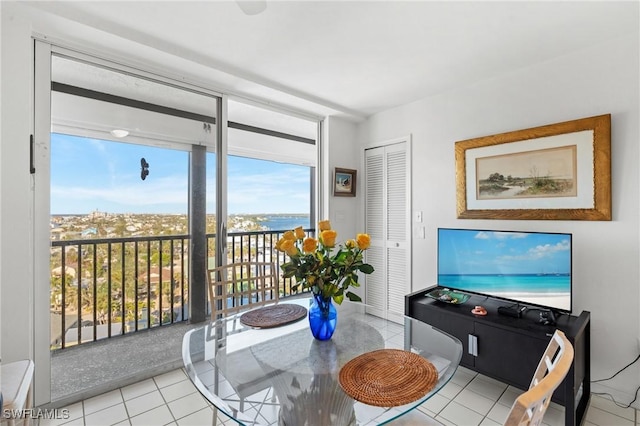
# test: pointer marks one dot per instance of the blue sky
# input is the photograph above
(487, 252)
(90, 174)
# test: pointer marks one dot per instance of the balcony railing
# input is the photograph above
(113, 286)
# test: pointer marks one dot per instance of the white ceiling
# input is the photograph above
(361, 57)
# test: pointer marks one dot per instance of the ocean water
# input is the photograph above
(518, 283)
(285, 223)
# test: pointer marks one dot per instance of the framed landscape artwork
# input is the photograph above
(344, 182)
(559, 171)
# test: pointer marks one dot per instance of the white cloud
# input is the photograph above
(500, 235)
(549, 249)
(509, 235)
(540, 251)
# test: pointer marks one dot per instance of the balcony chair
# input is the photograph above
(529, 407)
(239, 286)
(15, 386)
(233, 288)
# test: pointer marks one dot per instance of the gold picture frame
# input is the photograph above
(344, 182)
(559, 171)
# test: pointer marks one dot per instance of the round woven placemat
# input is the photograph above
(274, 315)
(388, 377)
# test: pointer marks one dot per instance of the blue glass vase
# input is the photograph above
(323, 317)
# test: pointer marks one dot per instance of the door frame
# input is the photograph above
(41, 199)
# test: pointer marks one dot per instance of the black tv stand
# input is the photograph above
(508, 348)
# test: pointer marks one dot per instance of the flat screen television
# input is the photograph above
(532, 268)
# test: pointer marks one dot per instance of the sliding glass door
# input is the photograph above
(123, 173)
(134, 177)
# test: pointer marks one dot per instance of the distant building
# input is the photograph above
(97, 214)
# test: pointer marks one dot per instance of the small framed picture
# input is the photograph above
(344, 182)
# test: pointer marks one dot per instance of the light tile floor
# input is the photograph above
(468, 399)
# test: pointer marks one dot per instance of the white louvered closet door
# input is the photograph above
(388, 221)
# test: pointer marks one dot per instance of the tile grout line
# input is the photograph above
(124, 403)
(497, 401)
(175, 420)
(84, 419)
(208, 404)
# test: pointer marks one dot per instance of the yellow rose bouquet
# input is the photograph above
(316, 266)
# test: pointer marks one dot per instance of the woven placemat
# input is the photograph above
(388, 377)
(274, 315)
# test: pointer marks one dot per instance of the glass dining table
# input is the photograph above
(281, 375)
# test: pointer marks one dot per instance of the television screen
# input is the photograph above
(533, 268)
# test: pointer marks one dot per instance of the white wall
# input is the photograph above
(16, 272)
(342, 151)
(599, 80)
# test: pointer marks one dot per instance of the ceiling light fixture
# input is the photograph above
(252, 7)
(119, 133)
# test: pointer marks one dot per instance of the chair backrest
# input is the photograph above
(238, 286)
(529, 407)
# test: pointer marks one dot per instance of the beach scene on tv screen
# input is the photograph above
(528, 267)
